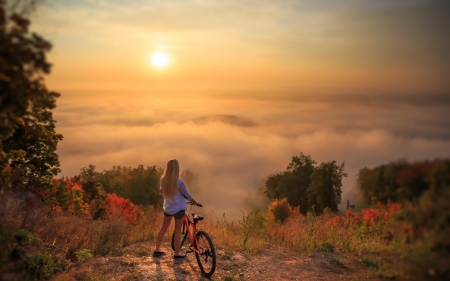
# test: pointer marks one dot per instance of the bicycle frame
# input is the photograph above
(192, 231)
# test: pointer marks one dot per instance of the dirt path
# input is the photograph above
(136, 263)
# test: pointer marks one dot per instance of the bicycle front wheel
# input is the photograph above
(206, 257)
(183, 239)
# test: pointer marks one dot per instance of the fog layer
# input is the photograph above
(234, 142)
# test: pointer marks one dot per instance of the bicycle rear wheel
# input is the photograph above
(183, 239)
(207, 257)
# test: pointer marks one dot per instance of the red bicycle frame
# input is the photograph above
(192, 239)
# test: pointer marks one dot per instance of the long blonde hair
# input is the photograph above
(169, 180)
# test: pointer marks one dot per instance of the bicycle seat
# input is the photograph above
(197, 217)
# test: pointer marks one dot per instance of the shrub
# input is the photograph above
(121, 207)
(281, 210)
(41, 265)
(83, 254)
(26, 237)
(326, 247)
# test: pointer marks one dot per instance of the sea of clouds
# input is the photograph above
(234, 142)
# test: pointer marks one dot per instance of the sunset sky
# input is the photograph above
(247, 85)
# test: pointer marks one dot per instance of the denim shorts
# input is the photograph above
(178, 215)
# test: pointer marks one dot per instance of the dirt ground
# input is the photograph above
(137, 263)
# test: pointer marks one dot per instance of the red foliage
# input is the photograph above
(38, 192)
(370, 216)
(388, 210)
(77, 185)
(72, 184)
(57, 208)
(121, 207)
(352, 217)
(334, 221)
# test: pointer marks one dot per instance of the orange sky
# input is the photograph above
(249, 85)
(352, 46)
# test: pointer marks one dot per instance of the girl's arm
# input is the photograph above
(184, 190)
(186, 193)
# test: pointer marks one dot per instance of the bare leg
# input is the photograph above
(177, 237)
(162, 231)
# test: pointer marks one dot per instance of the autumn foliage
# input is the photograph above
(281, 210)
(399, 181)
(69, 196)
(120, 207)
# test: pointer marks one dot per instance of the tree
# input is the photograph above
(304, 184)
(300, 169)
(275, 187)
(27, 130)
(325, 188)
(143, 187)
(293, 183)
(396, 181)
(38, 163)
(140, 185)
(90, 183)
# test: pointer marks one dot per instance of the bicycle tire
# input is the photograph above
(183, 239)
(207, 252)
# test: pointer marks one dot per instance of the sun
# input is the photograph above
(159, 60)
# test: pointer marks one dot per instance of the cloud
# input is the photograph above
(235, 146)
(227, 119)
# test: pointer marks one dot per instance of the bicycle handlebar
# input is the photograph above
(191, 203)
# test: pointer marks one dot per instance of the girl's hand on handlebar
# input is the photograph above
(195, 202)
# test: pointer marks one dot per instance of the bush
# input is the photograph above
(26, 237)
(326, 247)
(41, 265)
(83, 254)
(281, 210)
(121, 207)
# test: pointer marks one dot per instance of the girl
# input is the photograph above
(174, 192)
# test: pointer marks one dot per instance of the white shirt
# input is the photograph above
(178, 201)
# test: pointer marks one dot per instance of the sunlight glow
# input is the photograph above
(159, 59)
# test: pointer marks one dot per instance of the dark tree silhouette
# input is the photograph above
(398, 181)
(308, 186)
(325, 188)
(27, 130)
(140, 185)
(293, 183)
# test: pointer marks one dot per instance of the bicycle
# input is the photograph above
(200, 243)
